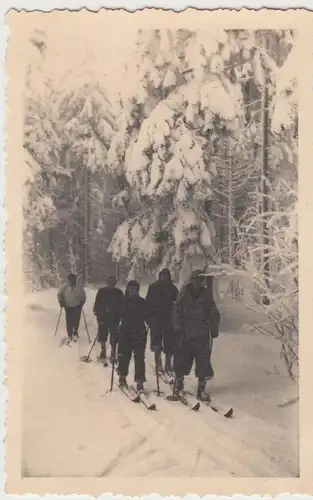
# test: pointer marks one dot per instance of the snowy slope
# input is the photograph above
(73, 427)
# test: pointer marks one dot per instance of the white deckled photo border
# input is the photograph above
(11, 230)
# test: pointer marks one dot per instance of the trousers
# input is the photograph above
(125, 352)
(108, 327)
(192, 350)
(72, 318)
(161, 337)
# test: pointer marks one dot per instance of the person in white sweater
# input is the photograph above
(72, 297)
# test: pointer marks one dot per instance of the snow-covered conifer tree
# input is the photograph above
(188, 95)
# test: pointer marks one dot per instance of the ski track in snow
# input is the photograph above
(72, 425)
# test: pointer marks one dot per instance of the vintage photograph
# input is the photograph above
(160, 252)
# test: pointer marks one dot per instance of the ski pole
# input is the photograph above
(157, 376)
(58, 322)
(86, 359)
(174, 386)
(86, 326)
(113, 366)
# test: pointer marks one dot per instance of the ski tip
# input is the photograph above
(152, 407)
(196, 407)
(229, 413)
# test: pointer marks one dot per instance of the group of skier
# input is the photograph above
(182, 325)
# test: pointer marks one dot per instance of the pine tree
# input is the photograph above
(68, 128)
(190, 95)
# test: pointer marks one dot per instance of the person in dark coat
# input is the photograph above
(160, 298)
(191, 320)
(107, 309)
(133, 335)
(72, 298)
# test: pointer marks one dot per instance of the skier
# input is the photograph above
(191, 320)
(72, 297)
(160, 298)
(107, 309)
(133, 335)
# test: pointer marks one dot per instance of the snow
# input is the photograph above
(72, 427)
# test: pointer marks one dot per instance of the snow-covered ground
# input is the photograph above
(73, 427)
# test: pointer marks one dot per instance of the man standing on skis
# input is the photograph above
(107, 309)
(191, 320)
(133, 335)
(72, 297)
(160, 298)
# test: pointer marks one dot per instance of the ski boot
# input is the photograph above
(69, 340)
(201, 395)
(139, 387)
(179, 386)
(75, 336)
(103, 357)
(122, 381)
(103, 354)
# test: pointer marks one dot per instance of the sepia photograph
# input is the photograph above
(159, 250)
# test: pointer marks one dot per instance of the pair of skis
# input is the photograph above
(190, 401)
(130, 391)
(137, 396)
(187, 399)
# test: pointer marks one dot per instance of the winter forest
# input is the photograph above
(161, 149)
(192, 163)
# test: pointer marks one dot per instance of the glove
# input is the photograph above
(214, 334)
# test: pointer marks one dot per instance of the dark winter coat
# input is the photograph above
(215, 317)
(192, 312)
(108, 304)
(161, 298)
(134, 316)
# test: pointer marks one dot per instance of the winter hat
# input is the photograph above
(163, 272)
(71, 278)
(111, 280)
(131, 284)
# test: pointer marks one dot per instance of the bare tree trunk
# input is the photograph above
(229, 202)
(265, 187)
(230, 211)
